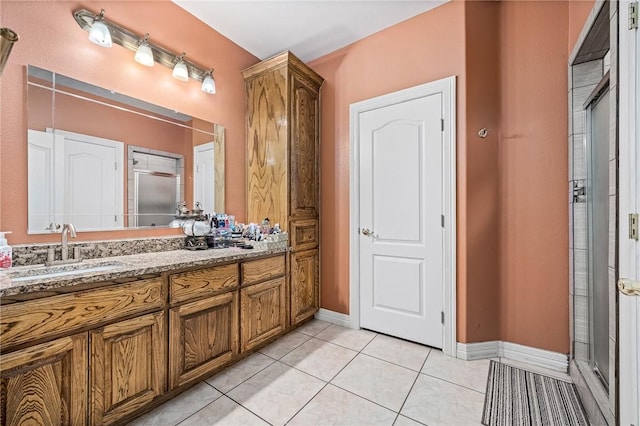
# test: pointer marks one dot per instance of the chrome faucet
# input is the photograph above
(66, 228)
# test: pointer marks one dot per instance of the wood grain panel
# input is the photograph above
(45, 384)
(304, 149)
(219, 161)
(203, 336)
(267, 178)
(37, 319)
(262, 270)
(304, 285)
(304, 234)
(262, 312)
(128, 367)
(202, 282)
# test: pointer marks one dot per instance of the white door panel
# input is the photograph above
(90, 181)
(204, 176)
(401, 203)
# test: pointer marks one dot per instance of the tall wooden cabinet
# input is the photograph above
(283, 121)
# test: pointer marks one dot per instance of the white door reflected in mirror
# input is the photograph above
(204, 176)
(74, 178)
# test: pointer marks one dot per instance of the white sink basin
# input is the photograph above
(47, 272)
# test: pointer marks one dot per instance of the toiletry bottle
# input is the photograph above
(5, 252)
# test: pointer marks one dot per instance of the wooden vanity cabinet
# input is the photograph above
(263, 301)
(283, 171)
(203, 333)
(128, 366)
(304, 285)
(104, 368)
(45, 384)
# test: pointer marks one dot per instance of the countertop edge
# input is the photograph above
(131, 266)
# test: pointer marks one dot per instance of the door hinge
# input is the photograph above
(442, 124)
(442, 220)
(633, 15)
(115, 218)
(115, 166)
(441, 317)
(633, 226)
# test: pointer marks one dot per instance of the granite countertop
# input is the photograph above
(111, 268)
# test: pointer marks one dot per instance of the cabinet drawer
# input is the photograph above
(203, 282)
(262, 270)
(41, 318)
(304, 234)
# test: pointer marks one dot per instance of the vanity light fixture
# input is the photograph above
(209, 84)
(146, 52)
(180, 71)
(144, 55)
(99, 32)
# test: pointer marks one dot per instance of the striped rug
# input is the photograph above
(519, 397)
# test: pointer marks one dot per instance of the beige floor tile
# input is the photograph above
(378, 381)
(319, 358)
(277, 393)
(285, 344)
(232, 376)
(223, 412)
(335, 406)
(179, 408)
(347, 337)
(397, 351)
(313, 327)
(471, 374)
(437, 402)
(405, 421)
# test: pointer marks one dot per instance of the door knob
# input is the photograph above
(368, 233)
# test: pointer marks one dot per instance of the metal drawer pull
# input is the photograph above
(629, 287)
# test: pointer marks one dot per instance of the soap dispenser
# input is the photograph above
(5, 252)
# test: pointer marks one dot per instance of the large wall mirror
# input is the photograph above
(103, 160)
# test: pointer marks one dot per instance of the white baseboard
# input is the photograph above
(333, 317)
(538, 357)
(482, 350)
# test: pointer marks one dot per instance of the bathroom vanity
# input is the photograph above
(103, 346)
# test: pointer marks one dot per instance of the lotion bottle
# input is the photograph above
(5, 252)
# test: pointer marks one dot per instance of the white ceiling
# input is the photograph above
(308, 28)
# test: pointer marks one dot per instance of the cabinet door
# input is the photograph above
(304, 149)
(304, 285)
(262, 312)
(45, 384)
(128, 366)
(203, 335)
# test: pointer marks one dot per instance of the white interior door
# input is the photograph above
(41, 179)
(92, 176)
(204, 176)
(401, 219)
(629, 203)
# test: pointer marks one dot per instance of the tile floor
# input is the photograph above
(324, 374)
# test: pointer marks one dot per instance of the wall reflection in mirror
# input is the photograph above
(103, 160)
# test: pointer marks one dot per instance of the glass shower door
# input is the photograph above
(598, 234)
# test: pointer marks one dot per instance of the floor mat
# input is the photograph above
(519, 397)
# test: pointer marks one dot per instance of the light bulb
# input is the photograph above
(99, 34)
(144, 55)
(209, 84)
(180, 71)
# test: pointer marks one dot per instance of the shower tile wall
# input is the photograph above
(583, 78)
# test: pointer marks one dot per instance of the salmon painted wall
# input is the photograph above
(482, 291)
(534, 243)
(425, 48)
(51, 39)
